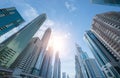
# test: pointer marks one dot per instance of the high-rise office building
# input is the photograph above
(80, 57)
(46, 68)
(82, 66)
(57, 67)
(78, 70)
(68, 76)
(27, 59)
(9, 19)
(93, 69)
(10, 51)
(64, 75)
(50, 67)
(105, 59)
(107, 2)
(106, 27)
(44, 43)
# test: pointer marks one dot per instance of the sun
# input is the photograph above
(57, 42)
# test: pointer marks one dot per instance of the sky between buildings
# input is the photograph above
(69, 19)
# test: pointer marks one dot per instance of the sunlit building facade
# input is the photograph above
(103, 56)
(10, 51)
(46, 68)
(9, 19)
(107, 2)
(44, 44)
(57, 67)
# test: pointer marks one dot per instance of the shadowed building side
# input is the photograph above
(107, 2)
(27, 59)
(11, 51)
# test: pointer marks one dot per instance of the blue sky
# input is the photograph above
(68, 19)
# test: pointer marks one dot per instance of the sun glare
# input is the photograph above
(57, 42)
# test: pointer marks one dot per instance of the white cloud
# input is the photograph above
(68, 35)
(27, 11)
(30, 12)
(70, 6)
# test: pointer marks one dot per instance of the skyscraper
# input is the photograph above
(93, 69)
(64, 75)
(68, 76)
(107, 2)
(44, 44)
(46, 68)
(9, 18)
(57, 67)
(27, 59)
(106, 28)
(50, 67)
(83, 69)
(80, 57)
(10, 52)
(78, 70)
(105, 59)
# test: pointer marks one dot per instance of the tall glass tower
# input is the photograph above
(78, 69)
(106, 61)
(10, 52)
(9, 18)
(85, 66)
(93, 69)
(57, 67)
(46, 67)
(80, 58)
(44, 44)
(27, 59)
(107, 2)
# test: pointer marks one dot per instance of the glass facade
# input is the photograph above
(93, 69)
(102, 55)
(44, 43)
(9, 18)
(57, 67)
(107, 2)
(27, 59)
(10, 52)
(78, 68)
(46, 68)
(81, 56)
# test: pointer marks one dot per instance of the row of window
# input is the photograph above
(4, 11)
(16, 22)
(108, 22)
(10, 9)
(112, 37)
(6, 56)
